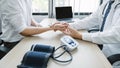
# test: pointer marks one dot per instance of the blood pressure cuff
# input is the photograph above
(38, 57)
(43, 48)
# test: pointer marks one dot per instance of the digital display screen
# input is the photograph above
(69, 41)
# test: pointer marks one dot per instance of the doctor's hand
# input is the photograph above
(60, 26)
(72, 32)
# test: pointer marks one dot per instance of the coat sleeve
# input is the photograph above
(110, 36)
(86, 23)
(95, 19)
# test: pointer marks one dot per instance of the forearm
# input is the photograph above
(34, 30)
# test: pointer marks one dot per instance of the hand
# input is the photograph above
(72, 32)
(60, 26)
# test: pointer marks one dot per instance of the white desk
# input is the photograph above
(87, 55)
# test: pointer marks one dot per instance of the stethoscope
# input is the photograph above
(104, 14)
(106, 5)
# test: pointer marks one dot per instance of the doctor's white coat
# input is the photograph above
(110, 37)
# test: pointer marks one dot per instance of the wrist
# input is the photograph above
(51, 27)
(79, 36)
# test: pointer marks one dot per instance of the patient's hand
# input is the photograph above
(60, 26)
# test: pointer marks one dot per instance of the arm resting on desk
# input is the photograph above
(34, 30)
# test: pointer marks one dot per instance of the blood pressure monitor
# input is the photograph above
(69, 42)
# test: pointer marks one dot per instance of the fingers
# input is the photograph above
(70, 31)
(67, 32)
(60, 26)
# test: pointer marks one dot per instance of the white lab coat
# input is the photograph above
(110, 37)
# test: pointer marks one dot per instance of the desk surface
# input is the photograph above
(87, 55)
